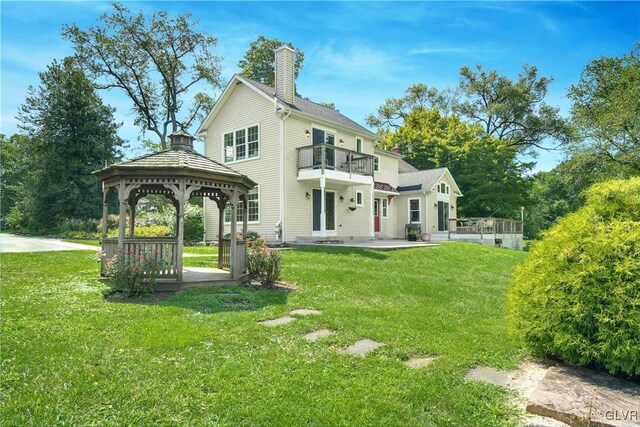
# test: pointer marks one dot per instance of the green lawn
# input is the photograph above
(200, 358)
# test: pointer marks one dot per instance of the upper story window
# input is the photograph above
(443, 188)
(385, 207)
(376, 163)
(253, 200)
(359, 145)
(359, 198)
(242, 144)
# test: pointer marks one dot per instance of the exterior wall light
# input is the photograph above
(307, 133)
(307, 195)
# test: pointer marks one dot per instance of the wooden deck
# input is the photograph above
(200, 277)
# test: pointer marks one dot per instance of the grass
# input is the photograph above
(83, 242)
(200, 358)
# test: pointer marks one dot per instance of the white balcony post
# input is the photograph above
(323, 214)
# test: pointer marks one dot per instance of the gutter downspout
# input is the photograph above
(284, 115)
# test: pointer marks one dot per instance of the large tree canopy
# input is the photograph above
(70, 134)
(485, 168)
(155, 62)
(259, 61)
(606, 108)
(511, 111)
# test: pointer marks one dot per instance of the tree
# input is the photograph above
(486, 169)
(155, 62)
(514, 112)
(259, 61)
(70, 134)
(393, 112)
(606, 108)
(13, 151)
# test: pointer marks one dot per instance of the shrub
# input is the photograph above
(577, 297)
(134, 275)
(193, 223)
(153, 231)
(264, 264)
(251, 236)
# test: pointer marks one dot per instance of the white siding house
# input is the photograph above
(319, 175)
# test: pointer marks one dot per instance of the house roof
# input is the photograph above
(424, 180)
(301, 105)
(179, 160)
(404, 166)
(383, 186)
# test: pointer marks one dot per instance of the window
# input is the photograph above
(414, 210)
(253, 200)
(443, 188)
(359, 145)
(359, 198)
(376, 163)
(241, 144)
(384, 207)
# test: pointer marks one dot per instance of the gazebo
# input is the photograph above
(178, 174)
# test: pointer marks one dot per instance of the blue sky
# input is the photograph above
(357, 54)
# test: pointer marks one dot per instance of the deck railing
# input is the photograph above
(486, 226)
(164, 249)
(324, 156)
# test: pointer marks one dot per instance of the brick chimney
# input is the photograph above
(396, 149)
(285, 83)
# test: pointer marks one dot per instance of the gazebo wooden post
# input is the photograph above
(180, 230)
(132, 216)
(123, 213)
(245, 216)
(105, 214)
(234, 219)
(222, 201)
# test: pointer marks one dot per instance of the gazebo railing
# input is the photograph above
(226, 253)
(165, 249)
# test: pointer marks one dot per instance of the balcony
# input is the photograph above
(334, 164)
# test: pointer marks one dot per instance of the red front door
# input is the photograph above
(376, 215)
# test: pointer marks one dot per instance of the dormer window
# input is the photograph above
(359, 145)
(443, 188)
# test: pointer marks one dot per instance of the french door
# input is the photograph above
(330, 211)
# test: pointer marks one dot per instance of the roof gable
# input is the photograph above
(425, 180)
(300, 106)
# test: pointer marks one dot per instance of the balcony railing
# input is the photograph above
(327, 157)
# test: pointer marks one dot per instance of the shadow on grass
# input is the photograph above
(214, 299)
(334, 250)
(217, 299)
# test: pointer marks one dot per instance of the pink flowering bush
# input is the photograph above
(133, 274)
(264, 264)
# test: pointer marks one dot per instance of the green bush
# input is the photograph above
(264, 264)
(193, 223)
(577, 297)
(133, 274)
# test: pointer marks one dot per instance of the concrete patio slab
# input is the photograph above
(490, 375)
(305, 312)
(362, 347)
(579, 396)
(319, 334)
(378, 245)
(277, 322)
(419, 362)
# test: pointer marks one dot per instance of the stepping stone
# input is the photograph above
(419, 362)
(316, 335)
(305, 312)
(490, 375)
(362, 347)
(576, 395)
(277, 322)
